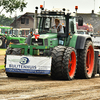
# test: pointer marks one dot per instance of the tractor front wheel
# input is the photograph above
(57, 62)
(63, 63)
(70, 62)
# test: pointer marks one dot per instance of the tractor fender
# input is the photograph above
(81, 39)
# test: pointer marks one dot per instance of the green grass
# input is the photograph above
(2, 49)
(2, 67)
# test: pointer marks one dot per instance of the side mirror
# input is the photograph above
(80, 21)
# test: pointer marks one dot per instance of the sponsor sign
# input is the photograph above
(28, 64)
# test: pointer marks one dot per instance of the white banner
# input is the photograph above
(28, 64)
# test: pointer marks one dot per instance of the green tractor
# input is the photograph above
(14, 36)
(4, 30)
(48, 52)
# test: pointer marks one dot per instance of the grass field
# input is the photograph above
(2, 52)
(2, 67)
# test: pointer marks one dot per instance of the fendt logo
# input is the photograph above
(24, 60)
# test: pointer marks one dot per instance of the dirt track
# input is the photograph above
(44, 88)
(2, 60)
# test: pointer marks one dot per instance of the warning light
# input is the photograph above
(41, 6)
(31, 33)
(76, 7)
(62, 23)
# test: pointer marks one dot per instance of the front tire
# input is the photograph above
(63, 63)
(70, 62)
(57, 64)
(85, 61)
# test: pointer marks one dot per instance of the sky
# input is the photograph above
(84, 6)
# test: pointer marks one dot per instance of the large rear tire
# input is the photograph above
(62, 61)
(85, 63)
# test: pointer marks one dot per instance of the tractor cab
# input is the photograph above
(46, 21)
(47, 28)
(47, 24)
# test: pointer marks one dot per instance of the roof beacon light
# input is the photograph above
(41, 6)
(76, 7)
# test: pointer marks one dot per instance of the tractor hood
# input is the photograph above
(45, 40)
(18, 38)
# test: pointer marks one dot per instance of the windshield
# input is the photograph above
(24, 33)
(5, 31)
(15, 32)
(47, 24)
(19, 33)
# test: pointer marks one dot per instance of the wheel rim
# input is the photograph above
(0, 42)
(72, 64)
(90, 60)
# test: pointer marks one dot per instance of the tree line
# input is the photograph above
(10, 6)
(5, 21)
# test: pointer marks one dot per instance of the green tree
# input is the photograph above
(5, 21)
(12, 5)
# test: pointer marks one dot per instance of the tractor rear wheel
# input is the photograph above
(85, 59)
(63, 63)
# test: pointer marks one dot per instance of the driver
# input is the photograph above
(58, 26)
